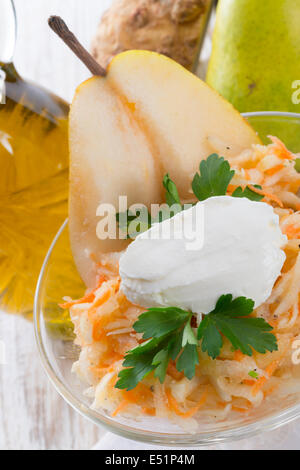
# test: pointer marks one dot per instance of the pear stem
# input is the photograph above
(58, 25)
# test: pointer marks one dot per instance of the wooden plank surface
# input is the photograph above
(32, 414)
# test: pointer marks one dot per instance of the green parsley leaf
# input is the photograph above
(253, 374)
(157, 322)
(175, 345)
(188, 335)
(188, 360)
(171, 337)
(244, 334)
(167, 212)
(240, 306)
(161, 362)
(214, 178)
(134, 224)
(147, 346)
(247, 333)
(123, 219)
(172, 195)
(139, 366)
(169, 333)
(211, 338)
(297, 165)
(248, 193)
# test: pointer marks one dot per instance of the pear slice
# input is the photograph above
(147, 117)
(187, 120)
(110, 157)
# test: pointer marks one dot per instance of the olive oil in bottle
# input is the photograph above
(33, 174)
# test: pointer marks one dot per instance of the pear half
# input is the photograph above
(149, 116)
(186, 119)
(110, 157)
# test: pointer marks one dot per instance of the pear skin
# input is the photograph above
(256, 54)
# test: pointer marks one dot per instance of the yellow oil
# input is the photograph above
(60, 278)
(33, 186)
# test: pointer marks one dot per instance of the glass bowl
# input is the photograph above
(57, 351)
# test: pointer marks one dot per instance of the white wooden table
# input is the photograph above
(32, 414)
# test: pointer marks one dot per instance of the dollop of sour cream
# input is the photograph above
(239, 253)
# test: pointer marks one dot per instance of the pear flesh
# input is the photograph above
(186, 119)
(110, 157)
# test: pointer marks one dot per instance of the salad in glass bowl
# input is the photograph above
(185, 229)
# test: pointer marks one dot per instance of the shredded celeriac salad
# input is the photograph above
(233, 383)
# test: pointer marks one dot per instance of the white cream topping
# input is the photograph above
(241, 255)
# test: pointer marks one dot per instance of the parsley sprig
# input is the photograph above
(248, 193)
(170, 336)
(172, 195)
(229, 319)
(213, 179)
(134, 224)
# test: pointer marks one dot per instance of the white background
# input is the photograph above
(40, 55)
(32, 415)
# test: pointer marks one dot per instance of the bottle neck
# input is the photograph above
(8, 31)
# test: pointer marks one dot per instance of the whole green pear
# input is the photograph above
(255, 60)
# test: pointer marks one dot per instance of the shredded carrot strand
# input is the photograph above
(239, 410)
(281, 150)
(98, 332)
(272, 368)
(274, 198)
(232, 187)
(111, 358)
(222, 404)
(100, 371)
(265, 194)
(149, 411)
(173, 372)
(174, 406)
(101, 281)
(139, 395)
(274, 324)
(274, 170)
(270, 391)
(100, 301)
(120, 408)
(262, 380)
(249, 382)
(87, 298)
(291, 231)
(238, 356)
(247, 175)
